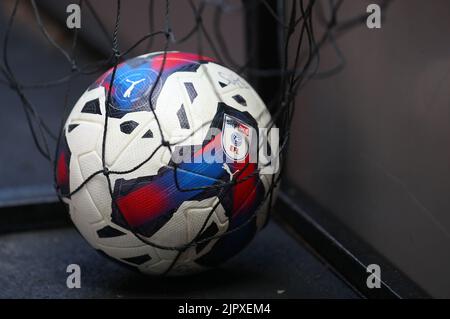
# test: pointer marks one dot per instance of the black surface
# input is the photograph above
(33, 216)
(33, 265)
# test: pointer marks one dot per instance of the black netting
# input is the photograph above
(303, 27)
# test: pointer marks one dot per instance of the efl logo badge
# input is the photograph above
(236, 137)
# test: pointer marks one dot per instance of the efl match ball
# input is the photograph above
(162, 169)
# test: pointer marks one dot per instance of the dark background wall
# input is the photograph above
(372, 144)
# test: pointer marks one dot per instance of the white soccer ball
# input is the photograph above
(135, 195)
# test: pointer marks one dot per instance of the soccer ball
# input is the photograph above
(138, 166)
